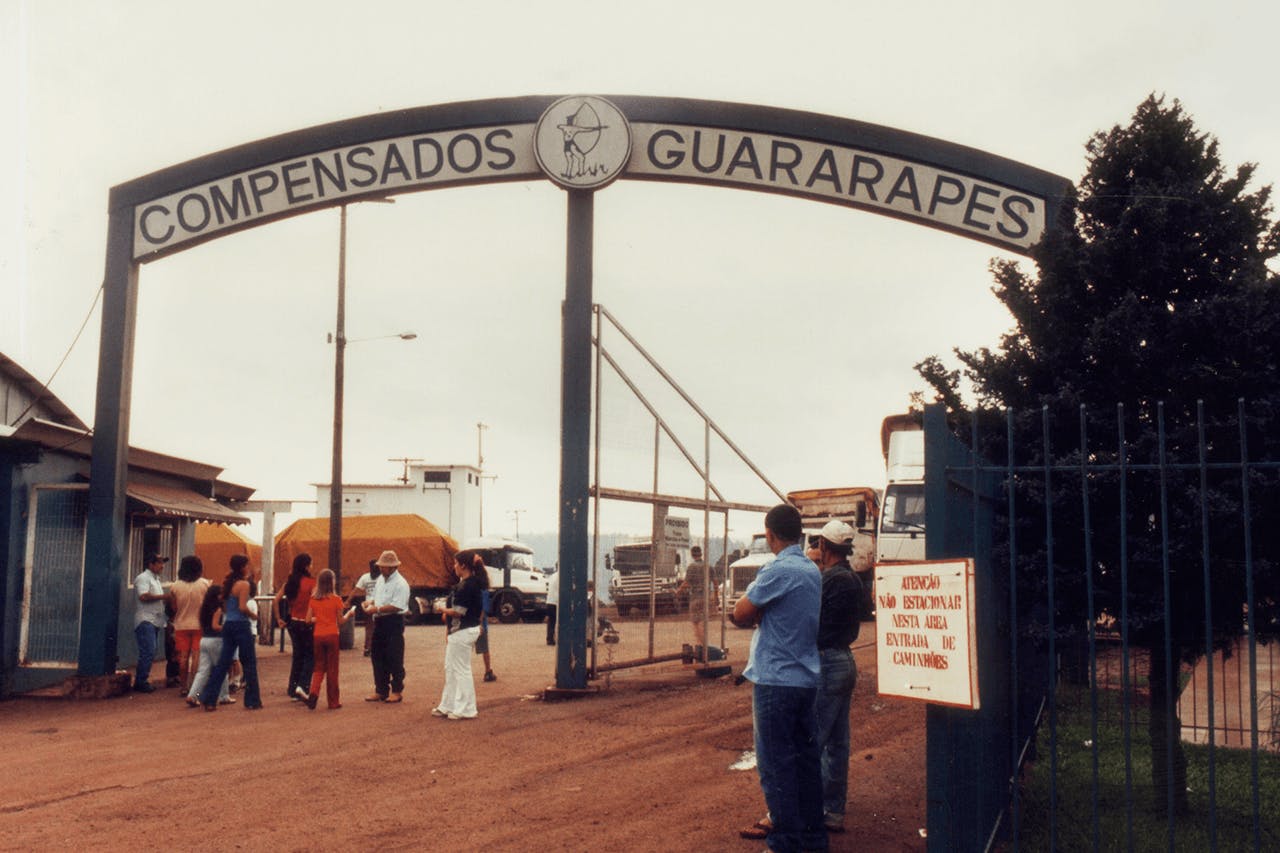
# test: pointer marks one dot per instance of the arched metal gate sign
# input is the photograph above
(580, 142)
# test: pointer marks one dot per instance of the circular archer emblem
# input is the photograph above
(582, 142)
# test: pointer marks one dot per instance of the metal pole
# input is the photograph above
(339, 354)
(575, 444)
(106, 535)
(480, 428)
(656, 545)
(595, 506)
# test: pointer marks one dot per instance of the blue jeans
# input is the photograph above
(835, 691)
(236, 635)
(147, 636)
(787, 759)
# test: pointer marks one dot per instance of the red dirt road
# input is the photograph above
(642, 766)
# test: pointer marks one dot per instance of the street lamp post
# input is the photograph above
(480, 428)
(339, 356)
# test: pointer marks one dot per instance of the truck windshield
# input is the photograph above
(759, 545)
(520, 560)
(903, 508)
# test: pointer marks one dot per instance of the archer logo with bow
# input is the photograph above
(582, 142)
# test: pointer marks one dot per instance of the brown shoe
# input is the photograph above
(375, 697)
(393, 698)
(758, 830)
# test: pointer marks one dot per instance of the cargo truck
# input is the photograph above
(901, 538)
(631, 581)
(857, 506)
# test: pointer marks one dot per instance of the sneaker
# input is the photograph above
(833, 822)
(300, 693)
(489, 676)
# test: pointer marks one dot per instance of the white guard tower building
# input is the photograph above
(449, 496)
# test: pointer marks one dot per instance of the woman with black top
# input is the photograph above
(462, 615)
(291, 609)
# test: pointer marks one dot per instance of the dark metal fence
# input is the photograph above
(1130, 597)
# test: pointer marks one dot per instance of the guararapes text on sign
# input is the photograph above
(829, 172)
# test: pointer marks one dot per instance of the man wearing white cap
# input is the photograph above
(387, 610)
(837, 629)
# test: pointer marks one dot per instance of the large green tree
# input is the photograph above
(1155, 290)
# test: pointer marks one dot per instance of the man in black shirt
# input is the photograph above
(837, 629)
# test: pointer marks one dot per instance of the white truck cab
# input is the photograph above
(517, 588)
(743, 570)
(901, 538)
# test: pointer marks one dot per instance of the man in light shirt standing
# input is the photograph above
(388, 608)
(784, 601)
(148, 619)
(362, 592)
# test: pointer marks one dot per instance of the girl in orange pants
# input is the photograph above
(324, 614)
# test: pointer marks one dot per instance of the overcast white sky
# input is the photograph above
(795, 325)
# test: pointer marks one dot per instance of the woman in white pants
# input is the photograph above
(462, 615)
(210, 646)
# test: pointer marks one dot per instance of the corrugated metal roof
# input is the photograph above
(172, 500)
(44, 398)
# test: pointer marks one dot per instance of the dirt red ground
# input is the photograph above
(645, 764)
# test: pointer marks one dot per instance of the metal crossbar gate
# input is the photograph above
(646, 590)
(50, 634)
(1127, 702)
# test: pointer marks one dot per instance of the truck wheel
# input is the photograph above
(509, 607)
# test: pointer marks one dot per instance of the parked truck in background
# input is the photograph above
(743, 570)
(856, 506)
(631, 580)
(517, 588)
(901, 538)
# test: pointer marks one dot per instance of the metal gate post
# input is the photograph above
(108, 470)
(967, 761)
(575, 445)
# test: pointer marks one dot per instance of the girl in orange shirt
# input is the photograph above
(324, 613)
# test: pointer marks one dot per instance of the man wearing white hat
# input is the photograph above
(838, 625)
(387, 610)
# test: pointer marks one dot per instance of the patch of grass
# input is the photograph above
(1232, 803)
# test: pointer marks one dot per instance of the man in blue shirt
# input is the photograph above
(784, 601)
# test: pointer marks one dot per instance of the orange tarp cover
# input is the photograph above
(216, 544)
(425, 552)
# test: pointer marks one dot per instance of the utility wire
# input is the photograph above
(35, 398)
